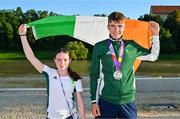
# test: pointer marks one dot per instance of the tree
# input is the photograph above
(173, 24)
(20, 14)
(43, 14)
(77, 50)
(31, 15)
(155, 18)
(8, 25)
(101, 15)
(167, 45)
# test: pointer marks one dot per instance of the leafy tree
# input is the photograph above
(31, 15)
(77, 50)
(20, 14)
(43, 14)
(173, 24)
(9, 31)
(167, 45)
(155, 18)
(52, 14)
(101, 15)
(8, 23)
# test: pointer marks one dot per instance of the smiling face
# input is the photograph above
(116, 29)
(62, 61)
(116, 23)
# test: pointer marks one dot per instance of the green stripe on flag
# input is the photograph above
(53, 26)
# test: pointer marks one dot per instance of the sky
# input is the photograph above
(130, 8)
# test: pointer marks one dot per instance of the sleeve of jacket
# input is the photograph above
(94, 72)
(154, 53)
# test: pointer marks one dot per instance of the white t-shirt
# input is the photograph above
(57, 105)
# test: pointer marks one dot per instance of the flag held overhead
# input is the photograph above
(90, 29)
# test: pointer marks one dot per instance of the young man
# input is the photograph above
(117, 99)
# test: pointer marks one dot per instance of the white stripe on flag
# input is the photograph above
(91, 29)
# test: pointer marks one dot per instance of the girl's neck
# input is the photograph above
(63, 73)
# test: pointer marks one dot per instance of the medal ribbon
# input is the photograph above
(116, 61)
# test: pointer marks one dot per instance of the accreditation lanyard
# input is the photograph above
(65, 93)
(117, 61)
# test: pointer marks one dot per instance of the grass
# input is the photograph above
(16, 55)
(50, 54)
(20, 55)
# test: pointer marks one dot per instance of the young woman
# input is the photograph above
(61, 82)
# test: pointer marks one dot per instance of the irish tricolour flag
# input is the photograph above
(90, 29)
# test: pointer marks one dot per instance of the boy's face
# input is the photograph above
(116, 29)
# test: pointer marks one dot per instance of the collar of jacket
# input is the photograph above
(115, 39)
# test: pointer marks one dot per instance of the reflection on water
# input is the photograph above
(11, 68)
(81, 67)
(164, 68)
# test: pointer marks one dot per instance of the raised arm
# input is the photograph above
(155, 43)
(28, 51)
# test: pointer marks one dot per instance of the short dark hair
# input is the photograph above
(116, 16)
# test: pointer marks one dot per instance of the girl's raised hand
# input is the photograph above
(22, 30)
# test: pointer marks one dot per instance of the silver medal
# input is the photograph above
(117, 75)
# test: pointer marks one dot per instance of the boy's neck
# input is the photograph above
(115, 39)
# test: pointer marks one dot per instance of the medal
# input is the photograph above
(117, 60)
(117, 74)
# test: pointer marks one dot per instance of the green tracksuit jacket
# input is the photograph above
(115, 91)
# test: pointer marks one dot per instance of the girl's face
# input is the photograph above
(62, 61)
(116, 29)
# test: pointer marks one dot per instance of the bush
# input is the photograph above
(77, 50)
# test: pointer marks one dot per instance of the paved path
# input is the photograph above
(155, 99)
(31, 104)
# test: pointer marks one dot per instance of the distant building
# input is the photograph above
(163, 11)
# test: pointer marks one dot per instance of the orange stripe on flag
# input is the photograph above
(139, 31)
(136, 64)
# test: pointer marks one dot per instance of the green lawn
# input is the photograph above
(50, 54)
(20, 55)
